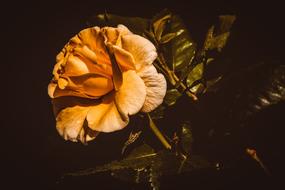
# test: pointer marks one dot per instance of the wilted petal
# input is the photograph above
(105, 116)
(155, 88)
(70, 121)
(142, 49)
(131, 96)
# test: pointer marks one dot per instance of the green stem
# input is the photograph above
(158, 134)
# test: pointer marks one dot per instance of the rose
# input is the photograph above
(102, 76)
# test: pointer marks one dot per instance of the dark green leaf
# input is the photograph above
(160, 15)
(136, 24)
(145, 165)
(211, 85)
(130, 175)
(142, 151)
(171, 96)
(159, 26)
(180, 51)
(195, 80)
(216, 42)
(183, 47)
(217, 36)
(166, 38)
(195, 75)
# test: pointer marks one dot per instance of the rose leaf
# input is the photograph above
(167, 37)
(180, 51)
(171, 96)
(217, 36)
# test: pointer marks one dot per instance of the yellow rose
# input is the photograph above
(88, 95)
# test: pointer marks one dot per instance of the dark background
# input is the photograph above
(34, 32)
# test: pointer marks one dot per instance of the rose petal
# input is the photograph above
(70, 121)
(64, 106)
(111, 34)
(123, 29)
(79, 65)
(124, 58)
(69, 92)
(142, 49)
(155, 88)
(60, 55)
(90, 84)
(62, 83)
(94, 40)
(88, 37)
(131, 96)
(51, 88)
(61, 103)
(85, 86)
(105, 117)
(75, 66)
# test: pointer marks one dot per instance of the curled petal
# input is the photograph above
(105, 116)
(155, 88)
(51, 88)
(111, 34)
(124, 58)
(90, 85)
(131, 96)
(62, 83)
(60, 55)
(143, 50)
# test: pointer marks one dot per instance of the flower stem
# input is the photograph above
(158, 134)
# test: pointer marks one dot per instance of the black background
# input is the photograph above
(34, 32)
